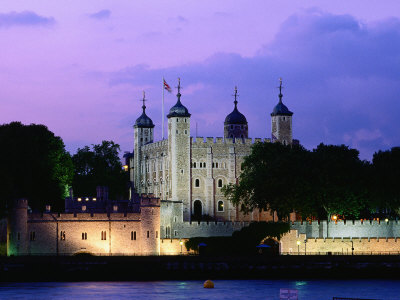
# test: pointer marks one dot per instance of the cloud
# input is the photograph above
(24, 18)
(178, 19)
(340, 79)
(101, 15)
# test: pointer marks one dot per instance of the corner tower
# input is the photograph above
(281, 122)
(143, 134)
(235, 125)
(179, 153)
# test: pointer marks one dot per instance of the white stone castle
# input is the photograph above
(188, 173)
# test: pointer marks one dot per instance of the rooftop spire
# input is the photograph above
(235, 95)
(179, 89)
(280, 90)
(144, 100)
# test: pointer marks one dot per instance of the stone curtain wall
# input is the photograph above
(352, 228)
(289, 245)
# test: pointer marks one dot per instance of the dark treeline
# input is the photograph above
(329, 180)
(35, 165)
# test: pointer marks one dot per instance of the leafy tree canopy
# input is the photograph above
(34, 165)
(100, 165)
(328, 180)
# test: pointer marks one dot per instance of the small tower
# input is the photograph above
(235, 125)
(17, 228)
(179, 151)
(281, 122)
(150, 224)
(143, 134)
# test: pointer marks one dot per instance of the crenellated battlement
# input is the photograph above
(348, 229)
(156, 145)
(201, 141)
(149, 200)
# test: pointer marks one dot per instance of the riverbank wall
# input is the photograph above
(41, 268)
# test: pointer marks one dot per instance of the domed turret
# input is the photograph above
(144, 121)
(235, 125)
(178, 110)
(281, 109)
(281, 122)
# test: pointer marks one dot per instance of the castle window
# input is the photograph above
(204, 165)
(231, 126)
(84, 235)
(241, 127)
(242, 136)
(62, 236)
(201, 165)
(133, 235)
(284, 118)
(32, 236)
(231, 136)
(177, 131)
(194, 165)
(103, 236)
(145, 139)
(220, 205)
(197, 183)
(177, 120)
(185, 120)
(141, 139)
(185, 131)
(213, 165)
(220, 183)
(148, 234)
(18, 236)
(156, 234)
(175, 233)
(216, 165)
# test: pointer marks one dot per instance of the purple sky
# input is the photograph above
(80, 67)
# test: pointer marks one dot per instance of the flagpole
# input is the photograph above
(162, 110)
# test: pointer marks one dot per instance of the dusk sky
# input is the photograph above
(80, 67)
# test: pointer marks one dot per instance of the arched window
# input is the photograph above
(197, 183)
(220, 206)
(194, 165)
(197, 209)
(220, 183)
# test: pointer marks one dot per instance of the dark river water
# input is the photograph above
(224, 289)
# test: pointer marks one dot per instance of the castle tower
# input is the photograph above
(281, 122)
(179, 151)
(17, 228)
(143, 134)
(235, 125)
(150, 219)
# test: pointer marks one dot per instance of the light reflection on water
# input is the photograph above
(224, 289)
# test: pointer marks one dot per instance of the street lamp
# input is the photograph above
(305, 247)
(298, 247)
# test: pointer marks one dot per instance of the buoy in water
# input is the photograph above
(208, 284)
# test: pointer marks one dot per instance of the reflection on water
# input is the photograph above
(224, 289)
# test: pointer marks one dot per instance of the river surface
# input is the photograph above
(224, 289)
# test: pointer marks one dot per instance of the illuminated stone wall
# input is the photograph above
(351, 228)
(294, 243)
(99, 234)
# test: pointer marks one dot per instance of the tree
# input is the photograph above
(272, 178)
(34, 164)
(386, 175)
(100, 166)
(340, 181)
(329, 180)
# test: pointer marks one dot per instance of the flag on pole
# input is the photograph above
(167, 87)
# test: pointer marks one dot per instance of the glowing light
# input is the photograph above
(94, 199)
(125, 167)
(181, 243)
(79, 199)
(386, 220)
(86, 199)
(334, 217)
(298, 243)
